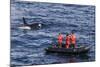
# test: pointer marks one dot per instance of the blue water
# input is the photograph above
(27, 46)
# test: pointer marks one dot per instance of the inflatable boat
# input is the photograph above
(77, 50)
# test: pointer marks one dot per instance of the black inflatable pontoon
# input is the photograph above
(80, 49)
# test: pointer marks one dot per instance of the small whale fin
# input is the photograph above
(24, 21)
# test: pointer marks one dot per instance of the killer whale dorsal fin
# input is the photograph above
(24, 21)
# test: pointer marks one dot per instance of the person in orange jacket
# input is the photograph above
(60, 39)
(67, 41)
(73, 39)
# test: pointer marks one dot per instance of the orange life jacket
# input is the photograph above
(67, 40)
(60, 38)
(73, 39)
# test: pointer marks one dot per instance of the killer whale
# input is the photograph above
(31, 26)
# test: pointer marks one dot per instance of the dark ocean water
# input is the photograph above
(27, 46)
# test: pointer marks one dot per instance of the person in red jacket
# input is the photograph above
(60, 39)
(67, 41)
(73, 39)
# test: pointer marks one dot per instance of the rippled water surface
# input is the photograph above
(27, 46)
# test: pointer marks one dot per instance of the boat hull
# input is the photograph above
(83, 49)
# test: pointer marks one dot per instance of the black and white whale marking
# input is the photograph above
(31, 26)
